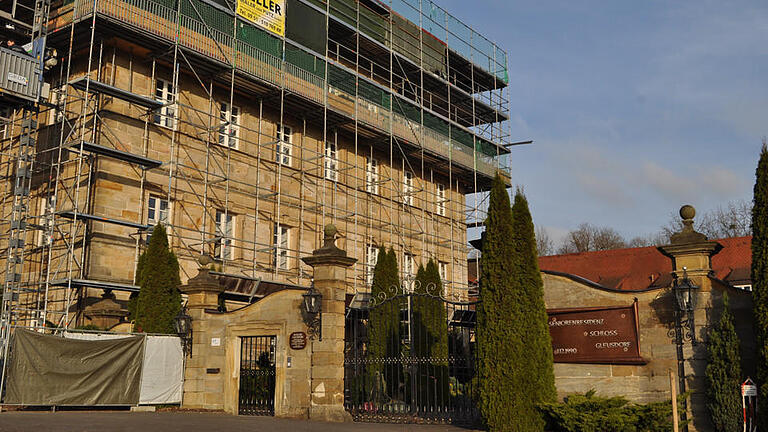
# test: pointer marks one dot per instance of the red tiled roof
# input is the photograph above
(733, 264)
(637, 269)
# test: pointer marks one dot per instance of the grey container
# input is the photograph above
(19, 75)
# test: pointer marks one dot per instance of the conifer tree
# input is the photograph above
(159, 299)
(514, 346)
(535, 366)
(760, 276)
(498, 394)
(429, 339)
(724, 373)
(384, 324)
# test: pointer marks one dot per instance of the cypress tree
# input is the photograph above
(384, 325)
(430, 338)
(534, 369)
(724, 374)
(498, 396)
(159, 299)
(760, 277)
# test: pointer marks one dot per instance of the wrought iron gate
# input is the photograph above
(410, 357)
(257, 375)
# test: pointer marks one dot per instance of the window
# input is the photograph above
(371, 258)
(224, 233)
(372, 176)
(157, 210)
(331, 161)
(407, 187)
(442, 268)
(284, 145)
(282, 237)
(6, 115)
(440, 204)
(47, 208)
(408, 264)
(56, 99)
(229, 131)
(165, 116)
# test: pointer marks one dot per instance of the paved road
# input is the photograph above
(99, 421)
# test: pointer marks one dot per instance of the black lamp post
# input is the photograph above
(685, 293)
(183, 324)
(312, 311)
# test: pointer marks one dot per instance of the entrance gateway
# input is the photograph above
(257, 375)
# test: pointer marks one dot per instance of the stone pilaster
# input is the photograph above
(202, 390)
(327, 386)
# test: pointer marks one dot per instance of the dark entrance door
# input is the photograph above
(257, 375)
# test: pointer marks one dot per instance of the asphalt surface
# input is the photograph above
(99, 421)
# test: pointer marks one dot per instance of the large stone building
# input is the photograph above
(244, 137)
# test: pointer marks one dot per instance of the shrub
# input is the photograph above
(591, 413)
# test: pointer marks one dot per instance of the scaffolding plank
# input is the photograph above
(100, 87)
(88, 283)
(147, 163)
(69, 214)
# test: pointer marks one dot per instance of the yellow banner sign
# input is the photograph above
(269, 14)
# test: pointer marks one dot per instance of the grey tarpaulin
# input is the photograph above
(50, 370)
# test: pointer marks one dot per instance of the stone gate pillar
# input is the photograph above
(691, 253)
(202, 390)
(327, 385)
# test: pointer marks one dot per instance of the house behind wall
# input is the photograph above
(387, 122)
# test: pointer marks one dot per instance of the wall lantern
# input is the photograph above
(685, 293)
(183, 324)
(311, 311)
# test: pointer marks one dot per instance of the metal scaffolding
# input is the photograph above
(387, 118)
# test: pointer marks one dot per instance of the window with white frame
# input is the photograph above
(441, 202)
(47, 208)
(407, 187)
(371, 258)
(157, 210)
(442, 268)
(281, 241)
(409, 261)
(372, 175)
(56, 99)
(229, 131)
(331, 161)
(284, 147)
(165, 94)
(225, 225)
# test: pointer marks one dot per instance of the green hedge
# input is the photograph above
(591, 413)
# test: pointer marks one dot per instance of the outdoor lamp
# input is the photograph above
(311, 308)
(312, 301)
(183, 324)
(685, 293)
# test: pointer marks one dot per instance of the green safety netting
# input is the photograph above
(304, 60)
(259, 38)
(212, 16)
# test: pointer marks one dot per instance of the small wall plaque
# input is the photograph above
(298, 340)
(215, 341)
(212, 370)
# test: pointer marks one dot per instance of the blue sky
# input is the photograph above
(636, 107)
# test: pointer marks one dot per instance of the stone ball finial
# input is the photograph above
(687, 212)
(204, 260)
(330, 230)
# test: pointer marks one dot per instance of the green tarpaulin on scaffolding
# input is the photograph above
(50, 370)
